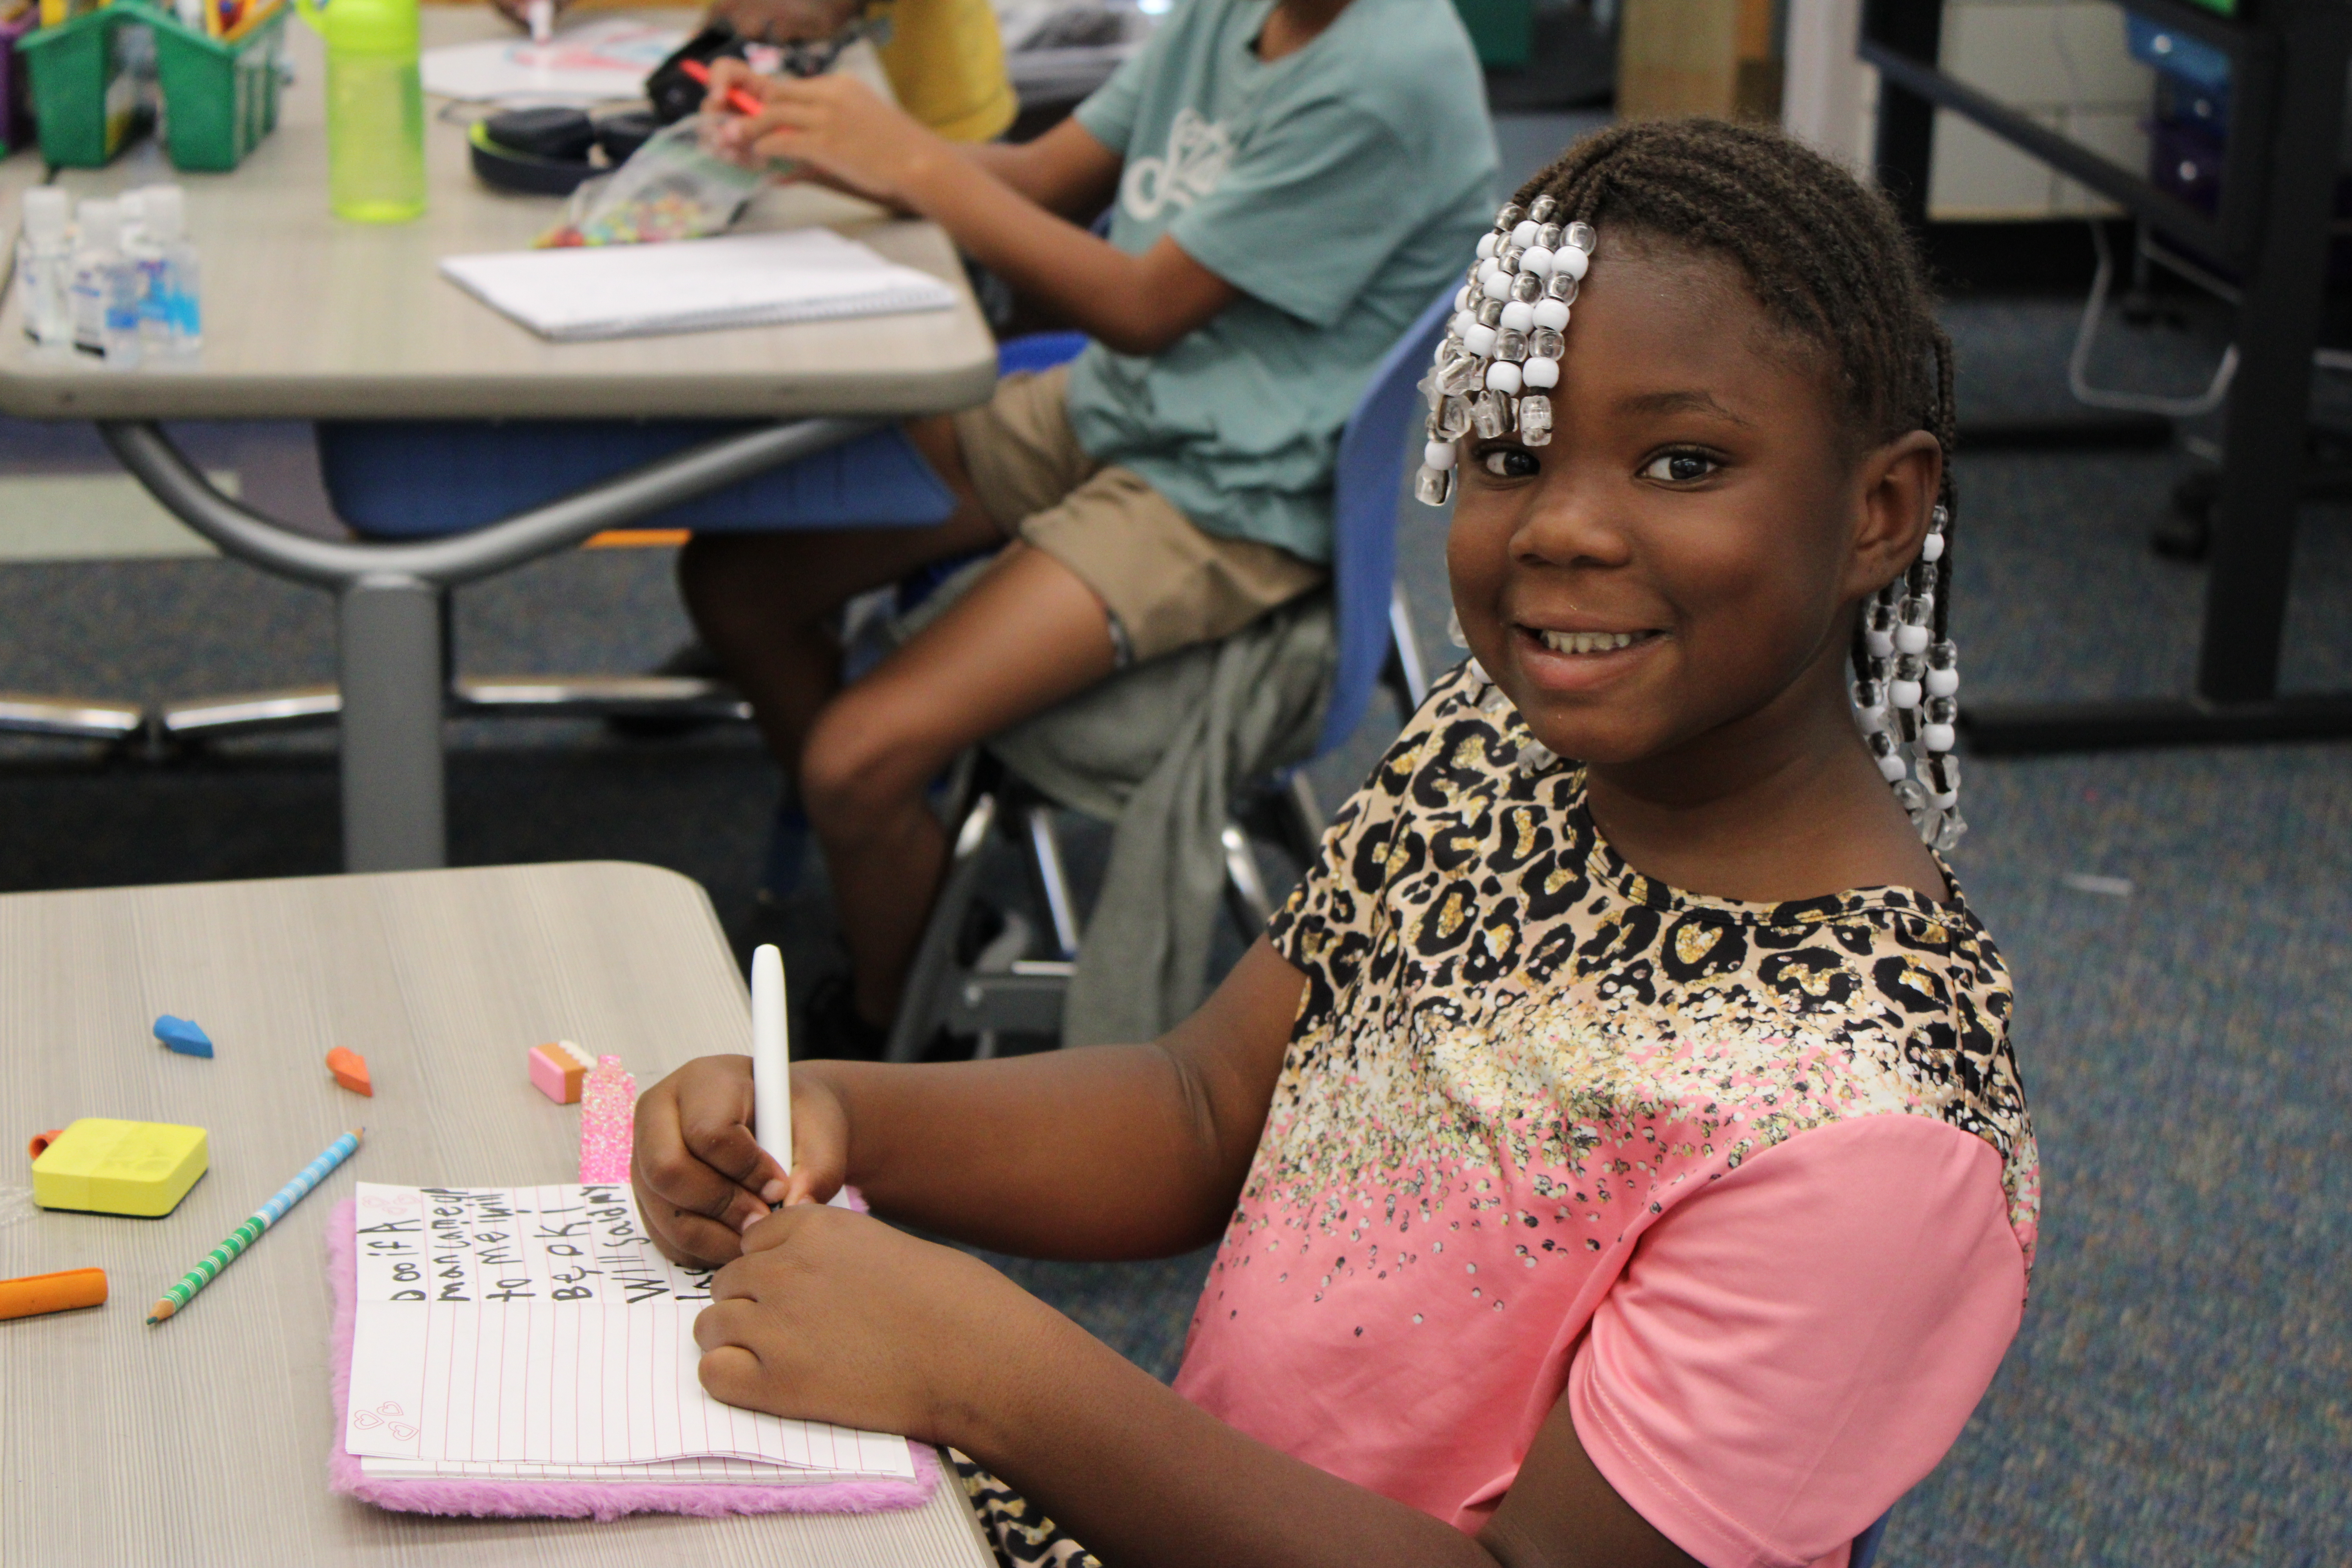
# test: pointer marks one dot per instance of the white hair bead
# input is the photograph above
(1572, 261)
(1518, 317)
(1487, 245)
(1479, 340)
(1442, 455)
(1538, 260)
(1910, 640)
(1550, 313)
(1463, 322)
(1892, 767)
(1462, 298)
(1503, 376)
(1539, 374)
(1902, 693)
(1524, 235)
(1498, 285)
(1938, 738)
(1943, 683)
(1932, 548)
(1881, 644)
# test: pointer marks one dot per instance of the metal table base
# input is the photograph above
(394, 688)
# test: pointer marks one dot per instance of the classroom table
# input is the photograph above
(309, 317)
(204, 1440)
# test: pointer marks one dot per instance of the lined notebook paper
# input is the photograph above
(533, 1333)
(694, 285)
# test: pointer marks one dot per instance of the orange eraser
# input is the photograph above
(350, 1068)
(558, 1069)
(39, 1293)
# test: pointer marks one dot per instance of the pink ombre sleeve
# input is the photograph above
(1791, 1349)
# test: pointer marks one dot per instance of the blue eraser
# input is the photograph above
(183, 1035)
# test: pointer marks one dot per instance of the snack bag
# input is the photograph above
(671, 188)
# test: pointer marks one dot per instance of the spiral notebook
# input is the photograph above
(534, 1335)
(590, 292)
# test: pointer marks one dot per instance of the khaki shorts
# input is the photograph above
(1166, 582)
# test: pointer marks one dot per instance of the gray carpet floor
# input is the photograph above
(2182, 1390)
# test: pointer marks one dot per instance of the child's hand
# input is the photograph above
(833, 1316)
(832, 125)
(700, 1176)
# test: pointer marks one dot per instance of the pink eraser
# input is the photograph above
(608, 1123)
(557, 1071)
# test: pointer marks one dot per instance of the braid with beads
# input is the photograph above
(1831, 264)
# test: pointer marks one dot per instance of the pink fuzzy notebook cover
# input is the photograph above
(571, 1500)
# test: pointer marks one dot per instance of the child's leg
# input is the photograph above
(764, 602)
(1028, 634)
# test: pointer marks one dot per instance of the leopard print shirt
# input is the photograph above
(1514, 1052)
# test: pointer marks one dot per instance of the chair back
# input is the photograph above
(1364, 494)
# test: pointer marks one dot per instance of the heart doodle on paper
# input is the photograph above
(381, 1416)
(401, 1430)
(389, 1407)
(364, 1419)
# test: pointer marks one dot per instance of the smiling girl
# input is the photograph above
(1618, 1160)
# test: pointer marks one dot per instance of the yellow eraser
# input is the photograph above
(141, 1168)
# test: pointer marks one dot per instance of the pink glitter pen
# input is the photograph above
(608, 1115)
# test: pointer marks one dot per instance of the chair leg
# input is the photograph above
(1053, 879)
(1405, 674)
(1246, 894)
(928, 977)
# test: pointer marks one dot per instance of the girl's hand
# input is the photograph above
(834, 126)
(834, 1315)
(701, 1177)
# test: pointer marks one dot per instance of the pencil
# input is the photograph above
(246, 1235)
(771, 1057)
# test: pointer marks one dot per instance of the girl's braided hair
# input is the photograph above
(1826, 256)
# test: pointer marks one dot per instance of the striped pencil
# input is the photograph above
(246, 1235)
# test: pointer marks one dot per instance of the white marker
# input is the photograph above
(772, 1053)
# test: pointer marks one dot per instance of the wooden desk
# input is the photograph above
(204, 1440)
(309, 317)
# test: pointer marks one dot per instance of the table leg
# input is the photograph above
(391, 654)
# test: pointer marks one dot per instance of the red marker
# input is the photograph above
(737, 99)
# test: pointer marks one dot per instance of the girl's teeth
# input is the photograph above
(1588, 642)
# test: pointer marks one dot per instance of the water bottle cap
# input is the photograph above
(371, 26)
(101, 223)
(163, 212)
(46, 210)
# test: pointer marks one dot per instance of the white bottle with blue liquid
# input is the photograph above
(45, 267)
(107, 288)
(170, 318)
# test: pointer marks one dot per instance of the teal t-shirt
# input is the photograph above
(1338, 188)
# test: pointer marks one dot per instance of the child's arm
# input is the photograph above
(995, 205)
(1109, 1152)
(830, 1316)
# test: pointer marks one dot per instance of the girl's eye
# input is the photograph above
(1511, 463)
(1679, 468)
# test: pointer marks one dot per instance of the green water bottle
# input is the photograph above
(376, 108)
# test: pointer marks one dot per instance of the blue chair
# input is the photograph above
(1001, 987)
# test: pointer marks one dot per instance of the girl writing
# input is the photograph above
(1618, 1160)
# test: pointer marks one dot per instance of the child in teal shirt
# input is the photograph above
(1290, 184)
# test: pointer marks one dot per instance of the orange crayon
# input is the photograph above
(39, 1293)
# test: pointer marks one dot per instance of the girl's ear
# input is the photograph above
(1895, 495)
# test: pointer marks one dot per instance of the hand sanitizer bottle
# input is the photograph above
(45, 267)
(171, 316)
(106, 287)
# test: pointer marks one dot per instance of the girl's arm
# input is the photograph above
(1100, 1152)
(995, 205)
(830, 1316)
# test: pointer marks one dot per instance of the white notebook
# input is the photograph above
(534, 1333)
(694, 285)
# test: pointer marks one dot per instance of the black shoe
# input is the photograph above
(832, 1028)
